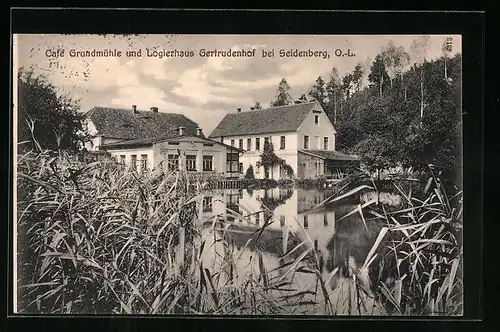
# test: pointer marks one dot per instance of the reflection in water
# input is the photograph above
(270, 223)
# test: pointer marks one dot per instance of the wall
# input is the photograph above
(195, 146)
(310, 167)
(128, 152)
(323, 129)
(252, 156)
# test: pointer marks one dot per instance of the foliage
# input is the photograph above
(249, 173)
(269, 159)
(283, 96)
(408, 115)
(47, 119)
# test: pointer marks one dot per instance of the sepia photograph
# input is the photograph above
(252, 175)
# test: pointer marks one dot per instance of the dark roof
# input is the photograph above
(151, 141)
(123, 123)
(330, 155)
(269, 120)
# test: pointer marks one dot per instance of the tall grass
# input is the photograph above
(415, 263)
(97, 238)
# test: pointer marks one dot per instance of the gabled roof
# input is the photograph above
(330, 155)
(144, 142)
(123, 123)
(269, 120)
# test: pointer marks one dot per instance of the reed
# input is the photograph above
(96, 238)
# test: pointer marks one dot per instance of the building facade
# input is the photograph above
(145, 140)
(301, 135)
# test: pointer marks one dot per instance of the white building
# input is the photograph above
(148, 139)
(301, 134)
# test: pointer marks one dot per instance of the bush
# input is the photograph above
(249, 174)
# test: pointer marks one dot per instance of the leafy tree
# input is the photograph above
(283, 96)
(378, 74)
(334, 95)
(357, 76)
(318, 91)
(47, 118)
(269, 159)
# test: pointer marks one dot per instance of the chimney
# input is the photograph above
(199, 132)
(238, 109)
(154, 109)
(134, 109)
(180, 130)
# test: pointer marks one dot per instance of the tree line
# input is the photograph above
(408, 115)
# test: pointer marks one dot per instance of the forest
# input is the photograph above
(407, 114)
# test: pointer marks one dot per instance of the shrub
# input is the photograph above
(249, 174)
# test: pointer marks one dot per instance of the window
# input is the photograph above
(257, 144)
(240, 143)
(282, 142)
(325, 143)
(266, 141)
(133, 161)
(316, 244)
(325, 219)
(282, 220)
(306, 142)
(240, 168)
(306, 221)
(249, 144)
(257, 169)
(144, 162)
(207, 204)
(173, 162)
(232, 163)
(122, 160)
(191, 163)
(316, 119)
(232, 142)
(208, 163)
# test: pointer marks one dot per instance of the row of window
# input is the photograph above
(282, 143)
(267, 140)
(325, 142)
(191, 162)
(133, 161)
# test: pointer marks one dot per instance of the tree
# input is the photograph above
(318, 91)
(419, 51)
(257, 106)
(446, 49)
(46, 118)
(268, 159)
(249, 173)
(303, 98)
(357, 76)
(333, 91)
(378, 75)
(283, 96)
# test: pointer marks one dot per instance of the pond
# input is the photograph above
(275, 229)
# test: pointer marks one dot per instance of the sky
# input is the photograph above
(203, 88)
